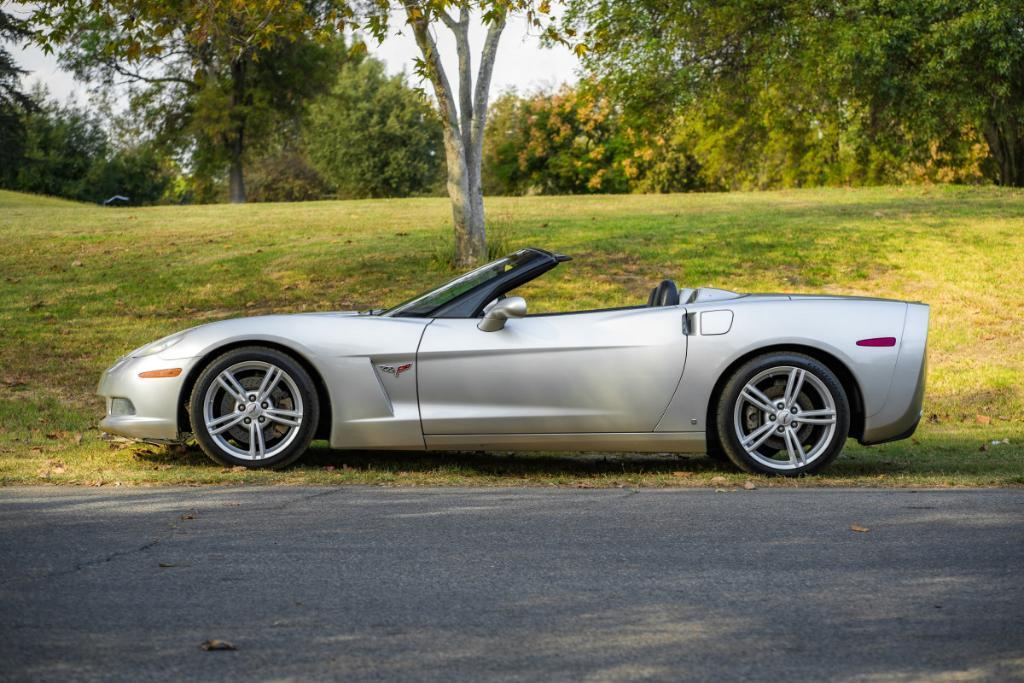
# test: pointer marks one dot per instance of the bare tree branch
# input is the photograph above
(483, 79)
(135, 76)
(448, 20)
(434, 68)
(461, 31)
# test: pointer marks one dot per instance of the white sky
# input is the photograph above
(522, 63)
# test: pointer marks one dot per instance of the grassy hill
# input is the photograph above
(83, 284)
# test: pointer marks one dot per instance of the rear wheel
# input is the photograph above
(255, 407)
(783, 413)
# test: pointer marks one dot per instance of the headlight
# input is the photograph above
(158, 346)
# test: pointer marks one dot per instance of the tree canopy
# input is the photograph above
(372, 135)
(209, 77)
(820, 91)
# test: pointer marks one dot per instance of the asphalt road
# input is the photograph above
(446, 584)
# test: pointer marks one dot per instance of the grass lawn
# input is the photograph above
(82, 285)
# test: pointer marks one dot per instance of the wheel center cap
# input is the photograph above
(785, 417)
(253, 410)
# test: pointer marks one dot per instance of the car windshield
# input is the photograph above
(424, 304)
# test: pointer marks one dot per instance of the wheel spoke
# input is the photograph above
(283, 416)
(794, 383)
(262, 446)
(256, 446)
(223, 418)
(793, 447)
(755, 397)
(757, 437)
(231, 385)
(224, 422)
(824, 416)
(270, 380)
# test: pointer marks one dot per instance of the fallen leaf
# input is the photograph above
(239, 468)
(214, 644)
(859, 528)
(189, 515)
(718, 480)
(76, 264)
(682, 474)
(749, 485)
(329, 468)
(983, 419)
(166, 565)
(77, 438)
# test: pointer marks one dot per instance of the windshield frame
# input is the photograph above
(470, 302)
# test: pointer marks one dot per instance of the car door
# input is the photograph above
(595, 371)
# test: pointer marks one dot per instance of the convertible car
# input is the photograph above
(774, 382)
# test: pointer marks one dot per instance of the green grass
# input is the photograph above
(82, 285)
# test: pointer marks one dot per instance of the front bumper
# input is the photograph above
(154, 401)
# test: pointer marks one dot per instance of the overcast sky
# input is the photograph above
(522, 63)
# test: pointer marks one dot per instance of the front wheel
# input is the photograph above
(783, 413)
(254, 407)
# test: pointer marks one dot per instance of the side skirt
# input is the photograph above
(645, 442)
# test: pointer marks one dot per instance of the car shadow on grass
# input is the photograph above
(937, 458)
(508, 463)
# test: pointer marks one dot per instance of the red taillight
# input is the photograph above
(878, 341)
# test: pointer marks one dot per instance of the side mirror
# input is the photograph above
(495, 317)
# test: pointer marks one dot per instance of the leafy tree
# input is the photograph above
(567, 142)
(13, 102)
(463, 122)
(794, 92)
(943, 68)
(374, 136)
(62, 144)
(210, 76)
(286, 175)
(576, 140)
(67, 153)
(140, 173)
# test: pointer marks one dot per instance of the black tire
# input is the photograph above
(816, 444)
(284, 443)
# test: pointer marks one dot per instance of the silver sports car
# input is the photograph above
(775, 382)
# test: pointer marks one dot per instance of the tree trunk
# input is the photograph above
(463, 127)
(466, 252)
(236, 141)
(236, 180)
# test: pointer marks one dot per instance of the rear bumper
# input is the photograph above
(901, 413)
(154, 402)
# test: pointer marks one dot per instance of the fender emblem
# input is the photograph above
(395, 370)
